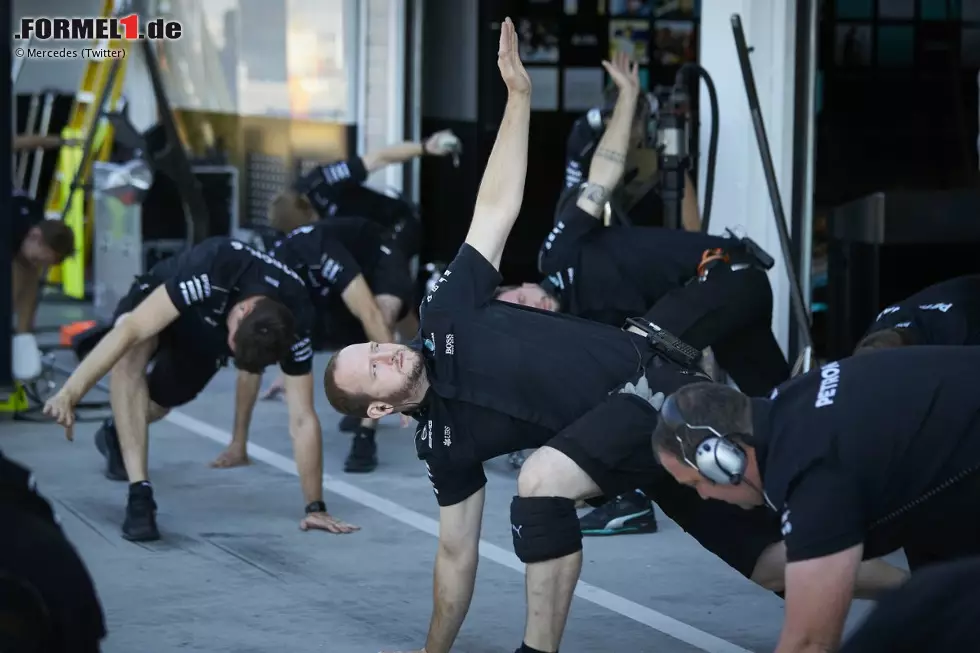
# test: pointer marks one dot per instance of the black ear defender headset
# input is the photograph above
(717, 457)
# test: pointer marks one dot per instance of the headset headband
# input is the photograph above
(717, 457)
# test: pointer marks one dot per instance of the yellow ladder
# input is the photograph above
(83, 119)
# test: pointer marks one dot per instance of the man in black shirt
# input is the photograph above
(947, 313)
(706, 290)
(360, 288)
(338, 189)
(861, 457)
(638, 196)
(188, 315)
(487, 378)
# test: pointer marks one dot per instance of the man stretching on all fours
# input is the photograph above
(172, 332)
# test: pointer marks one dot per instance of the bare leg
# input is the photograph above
(874, 576)
(391, 306)
(129, 398)
(551, 584)
(276, 390)
(408, 328)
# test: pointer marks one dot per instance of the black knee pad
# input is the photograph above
(544, 528)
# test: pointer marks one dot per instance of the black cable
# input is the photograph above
(709, 178)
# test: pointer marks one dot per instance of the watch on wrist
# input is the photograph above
(315, 506)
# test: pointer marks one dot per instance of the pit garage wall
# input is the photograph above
(740, 196)
(381, 84)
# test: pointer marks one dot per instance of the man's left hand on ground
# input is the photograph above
(322, 521)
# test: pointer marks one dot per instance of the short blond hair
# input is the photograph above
(291, 210)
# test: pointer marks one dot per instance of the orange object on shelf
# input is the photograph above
(69, 331)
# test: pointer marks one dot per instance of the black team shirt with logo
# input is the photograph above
(505, 377)
(845, 446)
(206, 281)
(946, 313)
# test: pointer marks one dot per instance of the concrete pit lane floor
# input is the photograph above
(233, 572)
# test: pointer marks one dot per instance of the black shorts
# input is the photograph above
(178, 372)
(613, 447)
(392, 276)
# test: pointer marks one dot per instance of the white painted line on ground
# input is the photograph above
(613, 602)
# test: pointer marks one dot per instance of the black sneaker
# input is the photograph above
(107, 442)
(141, 515)
(626, 514)
(363, 456)
(349, 424)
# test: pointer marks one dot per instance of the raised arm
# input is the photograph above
(440, 143)
(502, 189)
(609, 160)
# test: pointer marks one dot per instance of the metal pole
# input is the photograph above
(6, 204)
(800, 312)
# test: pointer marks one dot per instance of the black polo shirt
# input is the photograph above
(505, 377)
(845, 450)
(946, 313)
(330, 254)
(337, 189)
(608, 274)
(325, 185)
(206, 281)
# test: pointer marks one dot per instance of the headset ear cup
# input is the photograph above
(731, 459)
(721, 461)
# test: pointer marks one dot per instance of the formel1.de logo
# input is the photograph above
(130, 28)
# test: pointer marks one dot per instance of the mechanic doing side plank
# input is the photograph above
(338, 189)
(860, 458)
(706, 290)
(187, 316)
(486, 378)
(360, 287)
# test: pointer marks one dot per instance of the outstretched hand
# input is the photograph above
(442, 143)
(625, 73)
(509, 60)
(62, 408)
